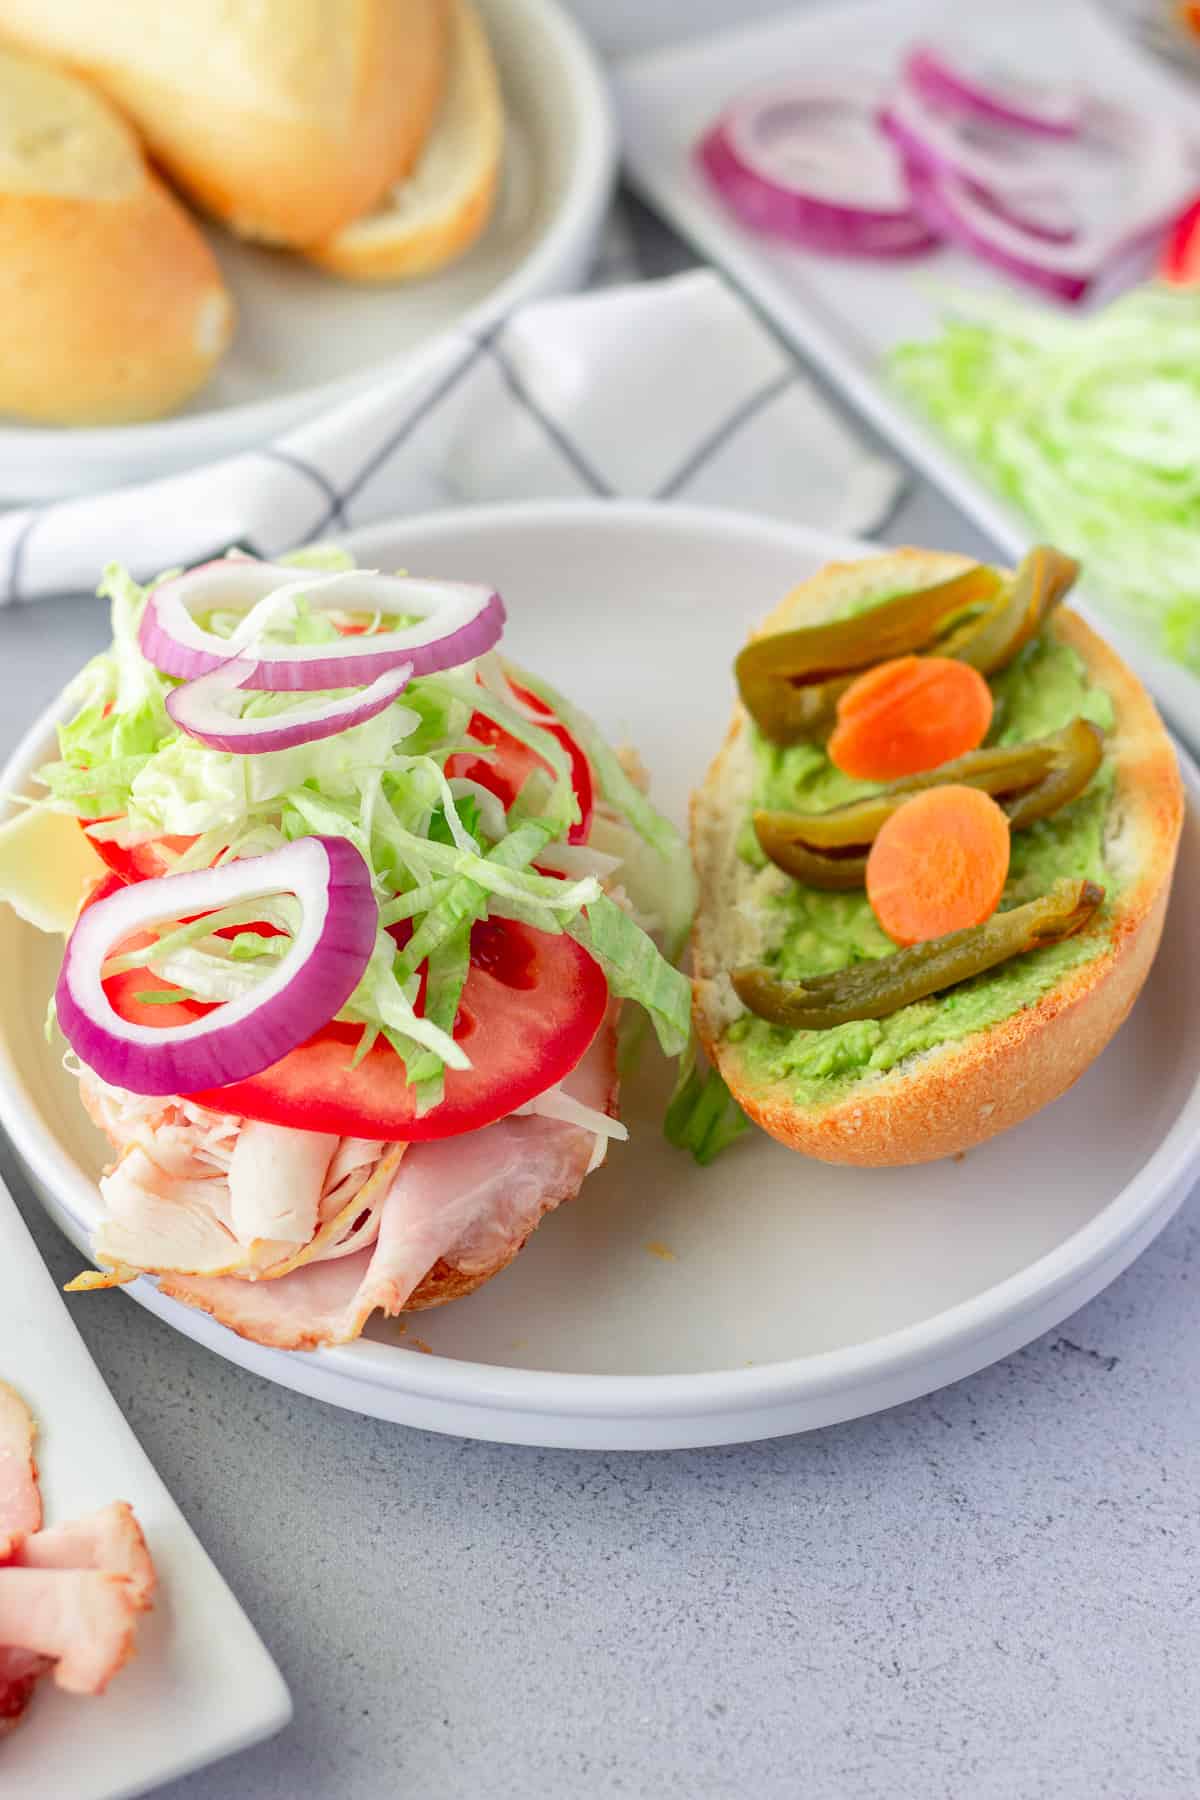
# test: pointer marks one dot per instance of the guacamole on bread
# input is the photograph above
(807, 932)
(949, 1069)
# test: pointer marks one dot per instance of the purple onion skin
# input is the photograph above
(284, 736)
(940, 86)
(803, 220)
(235, 1052)
(351, 667)
(930, 200)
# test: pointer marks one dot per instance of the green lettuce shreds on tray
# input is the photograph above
(1091, 427)
(344, 1000)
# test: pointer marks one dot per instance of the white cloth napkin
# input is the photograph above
(672, 390)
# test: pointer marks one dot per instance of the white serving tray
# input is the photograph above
(201, 1684)
(846, 314)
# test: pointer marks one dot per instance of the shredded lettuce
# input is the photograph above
(1091, 426)
(622, 794)
(703, 1115)
(443, 853)
(636, 971)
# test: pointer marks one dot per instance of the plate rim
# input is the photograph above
(583, 200)
(1137, 1211)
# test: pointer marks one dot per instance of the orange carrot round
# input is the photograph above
(938, 864)
(908, 715)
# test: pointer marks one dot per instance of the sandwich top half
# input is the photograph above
(846, 1028)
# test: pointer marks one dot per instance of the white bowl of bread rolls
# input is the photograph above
(216, 221)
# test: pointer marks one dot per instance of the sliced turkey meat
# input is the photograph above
(20, 1500)
(83, 1620)
(109, 1541)
(70, 1595)
(195, 1192)
(276, 1180)
(20, 1672)
(470, 1202)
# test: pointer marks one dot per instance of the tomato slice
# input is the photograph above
(505, 773)
(531, 1005)
(1180, 261)
(138, 862)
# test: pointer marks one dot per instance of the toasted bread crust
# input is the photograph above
(965, 1092)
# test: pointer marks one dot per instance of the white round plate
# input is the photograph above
(306, 340)
(671, 1305)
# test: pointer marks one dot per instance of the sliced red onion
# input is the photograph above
(202, 709)
(806, 162)
(999, 161)
(458, 621)
(1046, 217)
(941, 79)
(330, 951)
(1160, 186)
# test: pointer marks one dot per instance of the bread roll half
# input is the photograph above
(111, 304)
(436, 213)
(962, 1092)
(284, 118)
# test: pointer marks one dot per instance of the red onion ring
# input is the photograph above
(339, 921)
(928, 135)
(944, 83)
(196, 708)
(773, 160)
(1067, 270)
(460, 620)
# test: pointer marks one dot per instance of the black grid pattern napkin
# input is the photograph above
(670, 389)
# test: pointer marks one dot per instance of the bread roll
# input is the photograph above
(111, 305)
(285, 118)
(947, 1099)
(437, 211)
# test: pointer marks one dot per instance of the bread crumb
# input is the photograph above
(422, 1346)
(960, 1156)
(661, 1250)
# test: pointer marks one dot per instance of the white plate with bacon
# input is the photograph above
(160, 1671)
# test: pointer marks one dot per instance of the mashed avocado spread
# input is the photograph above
(809, 931)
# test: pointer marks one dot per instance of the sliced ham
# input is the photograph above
(472, 1200)
(20, 1501)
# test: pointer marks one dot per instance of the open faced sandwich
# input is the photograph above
(934, 856)
(345, 999)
